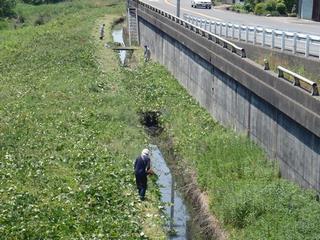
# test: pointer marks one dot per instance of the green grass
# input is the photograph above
(68, 136)
(69, 132)
(244, 189)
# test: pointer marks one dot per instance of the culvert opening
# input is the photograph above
(150, 120)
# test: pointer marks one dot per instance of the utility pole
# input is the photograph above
(178, 8)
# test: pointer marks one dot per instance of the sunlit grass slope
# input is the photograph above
(68, 134)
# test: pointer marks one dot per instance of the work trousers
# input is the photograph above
(141, 181)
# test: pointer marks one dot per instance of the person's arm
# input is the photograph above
(148, 164)
(149, 170)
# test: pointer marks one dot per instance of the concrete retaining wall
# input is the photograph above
(269, 111)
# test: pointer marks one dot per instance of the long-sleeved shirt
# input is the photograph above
(142, 165)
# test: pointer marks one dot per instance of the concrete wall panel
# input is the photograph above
(242, 115)
(263, 128)
(296, 148)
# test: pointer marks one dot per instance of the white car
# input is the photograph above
(201, 3)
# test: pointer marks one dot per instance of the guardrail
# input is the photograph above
(297, 80)
(309, 45)
(198, 30)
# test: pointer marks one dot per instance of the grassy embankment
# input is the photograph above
(68, 131)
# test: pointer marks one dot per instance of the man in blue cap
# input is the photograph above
(142, 169)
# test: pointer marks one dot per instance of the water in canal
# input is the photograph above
(175, 208)
(117, 35)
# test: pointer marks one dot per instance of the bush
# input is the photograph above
(248, 7)
(281, 8)
(237, 7)
(260, 9)
(6, 8)
(271, 5)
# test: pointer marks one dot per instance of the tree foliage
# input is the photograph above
(6, 7)
(281, 8)
(260, 8)
(271, 5)
(263, 7)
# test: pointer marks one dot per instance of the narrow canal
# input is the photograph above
(117, 35)
(175, 208)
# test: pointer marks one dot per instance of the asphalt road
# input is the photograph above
(281, 23)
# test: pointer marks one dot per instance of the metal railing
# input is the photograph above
(309, 45)
(198, 30)
(297, 79)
